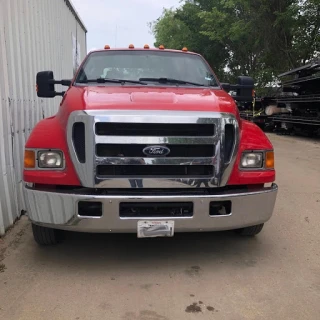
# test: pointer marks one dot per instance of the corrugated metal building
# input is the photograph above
(35, 35)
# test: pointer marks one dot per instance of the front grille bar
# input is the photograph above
(110, 150)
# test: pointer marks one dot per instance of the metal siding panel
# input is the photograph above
(35, 35)
(13, 94)
(20, 76)
(29, 51)
(7, 203)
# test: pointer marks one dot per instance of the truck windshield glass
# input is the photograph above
(147, 66)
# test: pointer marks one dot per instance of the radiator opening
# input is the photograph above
(155, 129)
(161, 171)
(155, 209)
(229, 142)
(79, 143)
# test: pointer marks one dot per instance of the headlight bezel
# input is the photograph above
(263, 167)
(39, 152)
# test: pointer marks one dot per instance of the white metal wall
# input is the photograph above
(35, 35)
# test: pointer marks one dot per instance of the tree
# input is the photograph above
(260, 38)
(179, 28)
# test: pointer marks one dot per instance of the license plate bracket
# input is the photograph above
(155, 228)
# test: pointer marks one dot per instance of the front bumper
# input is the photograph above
(60, 210)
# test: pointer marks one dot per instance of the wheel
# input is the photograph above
(250, 231)
(46, 236)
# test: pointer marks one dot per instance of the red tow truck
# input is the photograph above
(134, 127)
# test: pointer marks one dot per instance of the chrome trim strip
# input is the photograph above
(155, 140)
(155, 182)
(87, 171)
(228, 166)
(155, 161)
(162, 116)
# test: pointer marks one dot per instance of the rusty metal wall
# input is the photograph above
(35, 35)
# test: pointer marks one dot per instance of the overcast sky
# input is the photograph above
(120, 22)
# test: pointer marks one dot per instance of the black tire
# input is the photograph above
(46, 236)
(250, 231)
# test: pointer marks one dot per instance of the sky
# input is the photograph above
(119, 23)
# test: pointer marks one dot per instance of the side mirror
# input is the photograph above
(243, 89)
(226, 86)
(45, 85)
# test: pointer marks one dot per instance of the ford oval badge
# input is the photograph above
(156, 151)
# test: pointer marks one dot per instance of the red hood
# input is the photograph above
(147, 98)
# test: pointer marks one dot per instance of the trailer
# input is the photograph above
(296, 109)
(301, 99)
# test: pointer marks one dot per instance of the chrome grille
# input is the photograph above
(202, 148)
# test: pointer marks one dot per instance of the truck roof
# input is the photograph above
(142, 49)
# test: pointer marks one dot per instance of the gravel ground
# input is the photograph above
(191, 276)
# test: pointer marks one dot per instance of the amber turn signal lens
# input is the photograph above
(29, 159)
(269, 160)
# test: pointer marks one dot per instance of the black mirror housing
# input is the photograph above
(45, 84)
(245, 88)
(226, 86)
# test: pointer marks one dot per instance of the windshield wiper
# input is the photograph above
(106, 80)
(170, 80)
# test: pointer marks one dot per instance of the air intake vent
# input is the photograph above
(160, 171)
(155, 129)
(78, 138)
(156, 209)
(229, 142)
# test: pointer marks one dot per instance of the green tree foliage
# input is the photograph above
(180, 28)
(260, 38)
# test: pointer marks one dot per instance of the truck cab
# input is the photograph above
(133, 127)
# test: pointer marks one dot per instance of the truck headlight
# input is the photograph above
(251, 160)
(50, 159)
(257, 160)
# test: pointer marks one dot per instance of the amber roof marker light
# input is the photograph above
(106, 47)
(185, 49)
(131, 46)
(146, 46)
(161, 47)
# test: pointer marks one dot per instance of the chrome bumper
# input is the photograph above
(59, 210)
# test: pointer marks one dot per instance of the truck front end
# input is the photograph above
(147, 141)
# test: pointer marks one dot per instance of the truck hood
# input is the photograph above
(148, 98)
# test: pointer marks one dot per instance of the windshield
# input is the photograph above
(146, 66)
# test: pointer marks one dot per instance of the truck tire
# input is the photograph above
(46, 236)
(250, 231)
